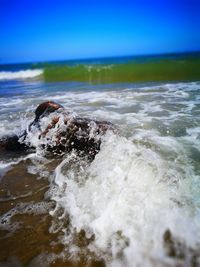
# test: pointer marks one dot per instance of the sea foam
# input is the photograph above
(127, 201)
(22, 74)
(138, 201)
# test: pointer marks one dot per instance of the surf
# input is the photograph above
(135, 204)
(153, 68)
(21, 74)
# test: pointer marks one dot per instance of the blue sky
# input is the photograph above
(42, 30)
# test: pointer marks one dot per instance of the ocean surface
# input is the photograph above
(137, 203)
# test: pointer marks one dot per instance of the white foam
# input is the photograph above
(136, 188)
(22, 74)
(22, 208)
(194, 132)
(6, 166)
(128, 198)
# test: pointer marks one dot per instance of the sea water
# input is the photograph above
(136, 204)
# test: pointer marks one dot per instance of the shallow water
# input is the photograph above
(136, 204)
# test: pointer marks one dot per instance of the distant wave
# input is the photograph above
(187, 69)
(22, 74)
(161, 70)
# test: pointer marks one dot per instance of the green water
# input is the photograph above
(159, 70)
(148, 68)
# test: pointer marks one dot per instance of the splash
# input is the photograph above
(137, 203)
(128, 203)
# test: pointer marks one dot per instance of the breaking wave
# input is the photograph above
(127, 205)
(168, 70)
(177, 69)
(20, 75)
(137, 203)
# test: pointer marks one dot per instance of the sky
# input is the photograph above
(44, 30)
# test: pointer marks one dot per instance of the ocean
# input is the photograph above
(138, 202)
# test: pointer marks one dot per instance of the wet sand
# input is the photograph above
(25, 237)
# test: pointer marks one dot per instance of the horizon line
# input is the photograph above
(103, 57)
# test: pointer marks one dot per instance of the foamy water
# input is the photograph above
(138, 202)
(128, 198)
(20, 75)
